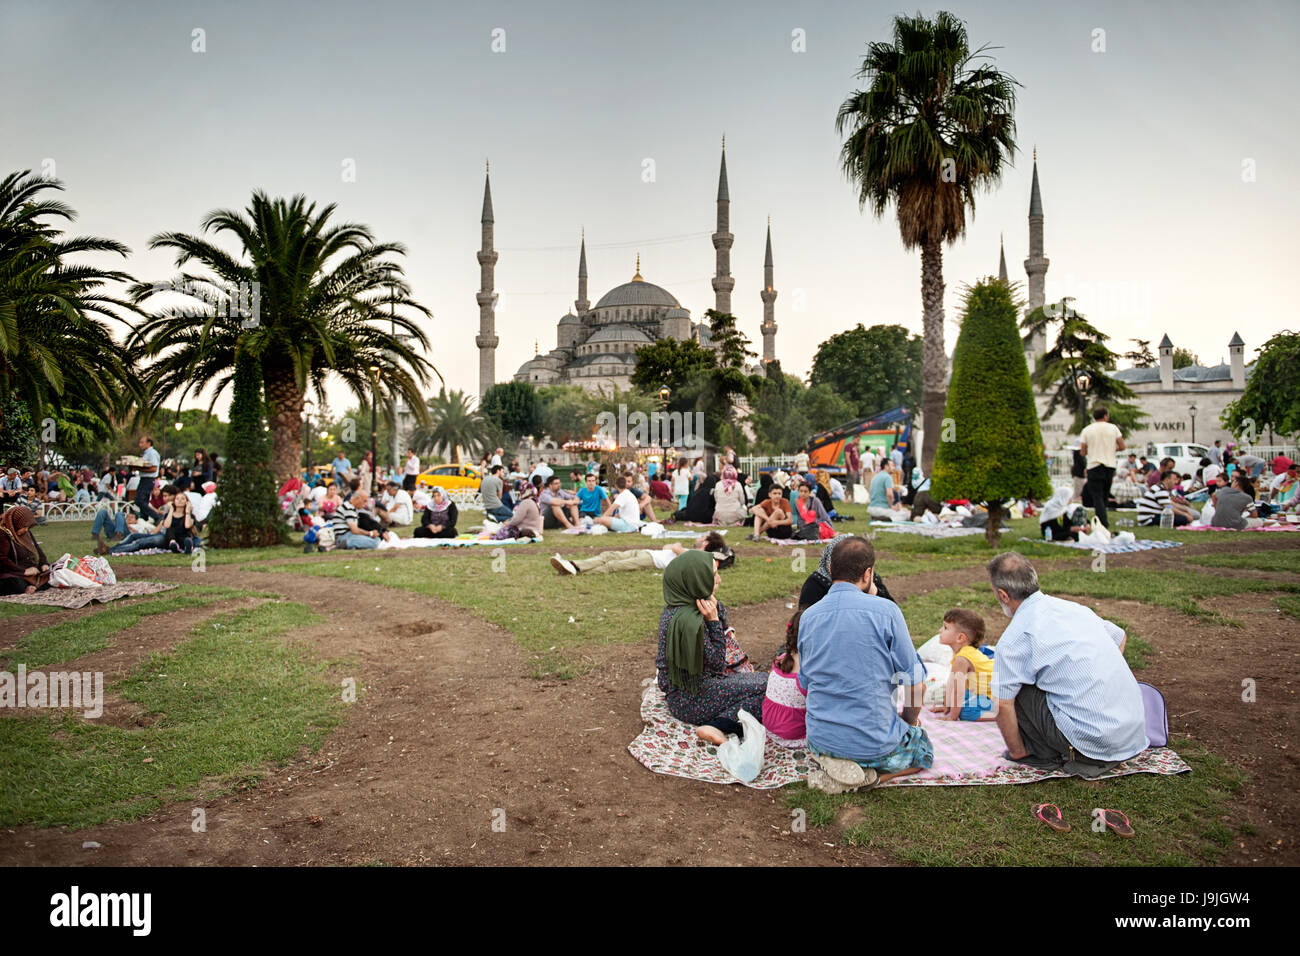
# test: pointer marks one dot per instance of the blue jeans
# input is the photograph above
(114, 525)
(359, 542)
(500, 514)
(138, 542)
(142, 494)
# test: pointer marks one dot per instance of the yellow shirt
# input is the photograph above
(983, 667)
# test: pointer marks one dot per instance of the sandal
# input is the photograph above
(1058, 823)
(1115, 821)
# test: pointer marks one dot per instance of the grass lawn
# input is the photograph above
(91, 632)
(227, 701)
(73, 537)
(1176, 818)
(1281, 561)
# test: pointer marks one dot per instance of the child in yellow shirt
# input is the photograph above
(967, 695)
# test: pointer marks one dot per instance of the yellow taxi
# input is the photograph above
(460, 477)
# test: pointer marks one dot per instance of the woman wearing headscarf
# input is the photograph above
(692, 658)
(23, 566)
(819, 582)
(526, 521)
(728, 499)
(699, 507)
(439, 519)
(1056, 517)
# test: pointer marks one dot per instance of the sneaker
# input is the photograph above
(563, 566)
(843, 771)
(821, 780)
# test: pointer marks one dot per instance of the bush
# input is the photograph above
(991, 448)
(247, 514)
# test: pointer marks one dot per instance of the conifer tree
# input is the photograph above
(247, 514)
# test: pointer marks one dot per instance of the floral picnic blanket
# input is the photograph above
(1145, 544)
(73, 598)
(966, 754)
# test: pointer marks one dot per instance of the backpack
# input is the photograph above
(1157, 717)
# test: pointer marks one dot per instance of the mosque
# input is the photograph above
(596, 344)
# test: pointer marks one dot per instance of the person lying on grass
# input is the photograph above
(643, 559)
(1065, 697)
(854, 648)
(967, 695)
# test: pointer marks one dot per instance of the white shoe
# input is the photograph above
(563, 566)
(842, 771)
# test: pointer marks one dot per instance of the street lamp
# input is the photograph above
(1192, 411)
(1082, 382)
(374, 428)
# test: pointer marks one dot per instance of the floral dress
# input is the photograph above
(722, 693)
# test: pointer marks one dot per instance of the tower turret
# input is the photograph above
(769, 302)
(723, 283)
(1036, 264)
(487, 339)
(581, 303)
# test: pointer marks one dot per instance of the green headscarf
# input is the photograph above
(688, 578)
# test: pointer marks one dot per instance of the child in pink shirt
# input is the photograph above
(786, 703)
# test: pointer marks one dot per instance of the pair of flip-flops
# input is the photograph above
(1114, 819)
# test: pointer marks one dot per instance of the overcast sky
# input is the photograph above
(1167, 162)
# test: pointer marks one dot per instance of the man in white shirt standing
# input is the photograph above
(496, 458)
(1099, 443)
(148, 474)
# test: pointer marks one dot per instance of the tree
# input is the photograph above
(247, 514)
(566, 413)
(57, 352)
(874, 369)
(512, 407)
(1185, 357)
(679, 364)
(932, 128)
(779, 416)
(1271, 398)
(1141, 357)
(18, 448)
(305, 297)
(1080, 354)
(453, 424)
(727, 384)
(994, 452)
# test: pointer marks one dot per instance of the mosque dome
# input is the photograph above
(637, 292)
(570, 319)
(618, 333)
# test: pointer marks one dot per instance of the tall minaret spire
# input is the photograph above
(487, 340)
(581, 303)
(769, 300)
(1036, 264)
(1002, 261)
(723, 283)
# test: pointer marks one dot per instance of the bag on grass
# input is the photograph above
(67, 573)
(1099, 531)
(744, 758)
(1157, 718)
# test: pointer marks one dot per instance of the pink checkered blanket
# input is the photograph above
(966, 754)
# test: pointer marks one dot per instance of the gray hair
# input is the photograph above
(1011, 571)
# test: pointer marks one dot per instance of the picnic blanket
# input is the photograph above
(1266, 527)
(73, 598)
(461, 542)
(928, 530)
(1145, 544)
(966, 754)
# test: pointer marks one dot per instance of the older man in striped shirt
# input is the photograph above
(1066, 697)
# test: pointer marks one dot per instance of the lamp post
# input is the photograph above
(374, 428)
(306, 430)
(1191, 410)
(1082, 382)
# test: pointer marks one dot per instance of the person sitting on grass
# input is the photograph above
(691, 661)
(883, 501)
(592, 498)
(623, 513)
(852, 646)
(773, 517)
(177, 525)
(439, 520)
(344, 522)
(149, 537)
(1064, 696)
(1234, 507)
(1157, 497)
(559, 507)
(1061, 521)
(729, 499)
(526, 520)
(643, 559)
(966, 696)
(492, 489)
(122, 524)
(817, 584)
(813, 523)
(395, 507)
(24, 568)
(785, 707)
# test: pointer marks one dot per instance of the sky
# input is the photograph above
(1165, 142)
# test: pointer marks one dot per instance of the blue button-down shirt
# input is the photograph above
(851, 647)
(1073, 656)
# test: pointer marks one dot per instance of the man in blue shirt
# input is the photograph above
(854, 649)
(1065, 697)
(591, 499)
(342, 470)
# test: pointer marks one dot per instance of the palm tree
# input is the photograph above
(933, 126)
(306, 298)
(57, 353)
(454, 424)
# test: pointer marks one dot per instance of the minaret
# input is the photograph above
(722, 239)
(1036, 264)
(581, 304)
(769, 301)
(1002, 261)
(486, 340)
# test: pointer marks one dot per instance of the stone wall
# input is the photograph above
(1167, 419)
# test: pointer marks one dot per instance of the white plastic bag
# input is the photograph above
(1099, 531)
(652, 529)
(67, 573)
(744, 758)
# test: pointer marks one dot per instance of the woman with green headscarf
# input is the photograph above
(692, 657)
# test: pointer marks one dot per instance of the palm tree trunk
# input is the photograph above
(934, 364)
(285, 399)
